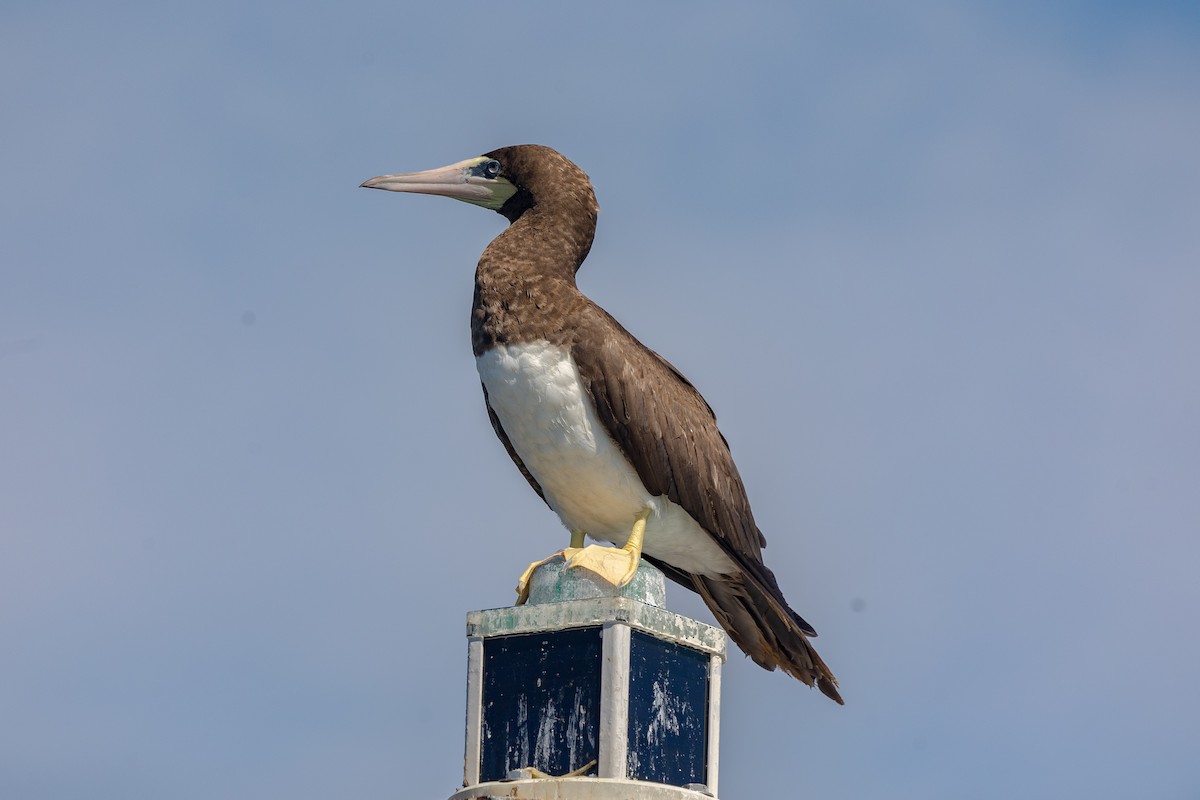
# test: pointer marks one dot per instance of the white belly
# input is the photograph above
(536, 392)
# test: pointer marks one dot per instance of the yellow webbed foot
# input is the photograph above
(523, 581)
(612, 564)
(617, 565)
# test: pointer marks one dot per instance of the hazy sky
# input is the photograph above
(936, 267)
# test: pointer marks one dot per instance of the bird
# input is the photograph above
(615, 440)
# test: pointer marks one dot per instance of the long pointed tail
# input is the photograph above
(763, 625)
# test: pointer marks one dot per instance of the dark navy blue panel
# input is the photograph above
(541, 702)
(668, 711)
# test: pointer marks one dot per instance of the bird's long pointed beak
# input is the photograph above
(462, 181)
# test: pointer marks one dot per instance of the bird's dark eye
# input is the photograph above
(491, 169)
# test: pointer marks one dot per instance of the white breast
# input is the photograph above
(536, 392)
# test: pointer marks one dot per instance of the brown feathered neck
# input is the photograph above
(525, 282)
(552, 214)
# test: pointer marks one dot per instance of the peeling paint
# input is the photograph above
(586, 613)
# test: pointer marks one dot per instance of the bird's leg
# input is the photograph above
(617, 565)
(523, 581)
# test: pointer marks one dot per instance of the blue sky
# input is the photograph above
(934, 265)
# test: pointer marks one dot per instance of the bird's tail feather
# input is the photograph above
(766, 629)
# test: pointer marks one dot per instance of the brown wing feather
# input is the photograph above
(677, 451)
(676, 432)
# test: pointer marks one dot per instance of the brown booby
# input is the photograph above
(611, 436)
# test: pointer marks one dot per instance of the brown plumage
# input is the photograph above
(525, 292)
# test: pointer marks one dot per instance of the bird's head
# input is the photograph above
(510, 181)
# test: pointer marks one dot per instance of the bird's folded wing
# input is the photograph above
(667, 431)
